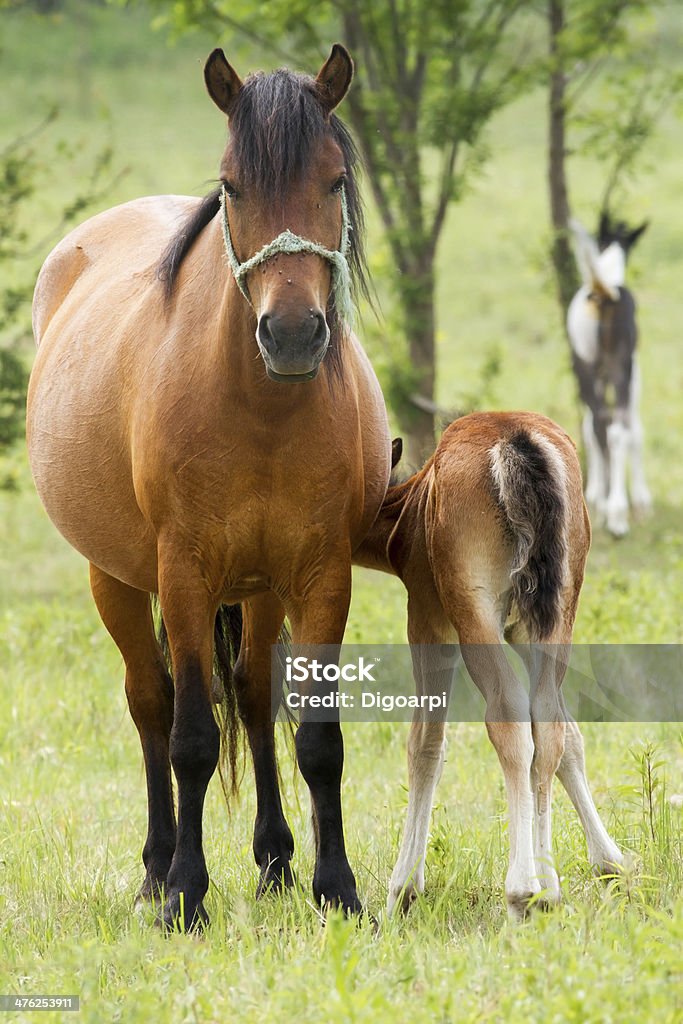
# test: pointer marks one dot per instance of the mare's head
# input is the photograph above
(612, 232)
(289, 164)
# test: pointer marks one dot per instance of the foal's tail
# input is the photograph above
(530, 479)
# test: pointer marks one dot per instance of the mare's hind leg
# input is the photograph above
(273, 843)
(127, 615)
(427, 625)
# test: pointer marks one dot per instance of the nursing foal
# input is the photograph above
(490, 539)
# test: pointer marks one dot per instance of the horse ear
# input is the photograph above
(222, 81)
(334, 78)
(396, 451)
(634, 235)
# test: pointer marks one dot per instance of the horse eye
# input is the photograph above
(339, 183)
(230, 190)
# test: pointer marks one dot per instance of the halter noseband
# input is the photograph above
(286, 243)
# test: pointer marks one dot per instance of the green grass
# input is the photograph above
(72, 804)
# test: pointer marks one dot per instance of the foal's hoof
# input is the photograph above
(179, 914)
(522, 904)
(401, 897)
(275, 877)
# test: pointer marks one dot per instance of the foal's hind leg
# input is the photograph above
(426, 745)
(127, 615)
(603, 852)
(273, 843)
(509, 728)
(546, 665)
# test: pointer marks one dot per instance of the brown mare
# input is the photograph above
(490, 539)
(181, 462)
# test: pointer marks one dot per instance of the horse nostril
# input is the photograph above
(265, 335)
(320, 334)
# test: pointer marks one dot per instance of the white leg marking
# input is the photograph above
(516, 755)
(426, 746)
(603, 852)
(596, 481)
(619, 442)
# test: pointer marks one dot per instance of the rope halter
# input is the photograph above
(287, 243)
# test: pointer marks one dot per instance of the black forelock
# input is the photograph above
(275, 125)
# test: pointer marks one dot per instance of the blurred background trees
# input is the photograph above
(431, 81)
(430, 75)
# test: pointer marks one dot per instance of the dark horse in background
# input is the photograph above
(601, 323)
(218, 442)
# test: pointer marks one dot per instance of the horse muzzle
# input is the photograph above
(293, 348)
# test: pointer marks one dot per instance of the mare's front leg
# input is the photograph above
(189, 613)
(273, 843)
(319, 617)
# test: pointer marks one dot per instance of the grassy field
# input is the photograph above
(72, 805)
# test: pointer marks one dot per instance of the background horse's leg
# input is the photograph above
(189, 614)
(320, 618)
(619, 442)
(273, 843)
(433, 669)
(640, 492)
(127, 615)
(596, 467)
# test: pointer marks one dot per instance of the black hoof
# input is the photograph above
(151, 890)
(181, 914)
(275, 877)
(338, 894)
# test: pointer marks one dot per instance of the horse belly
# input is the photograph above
(80, 461)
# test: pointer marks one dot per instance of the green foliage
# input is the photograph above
(12, 397)
(429, 77)
(72, 807)
(618, 85)
(23, 167)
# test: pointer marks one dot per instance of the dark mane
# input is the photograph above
(274, 127)
(169, 265)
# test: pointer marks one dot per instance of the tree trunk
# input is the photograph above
(416, 413)
(562, 256)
